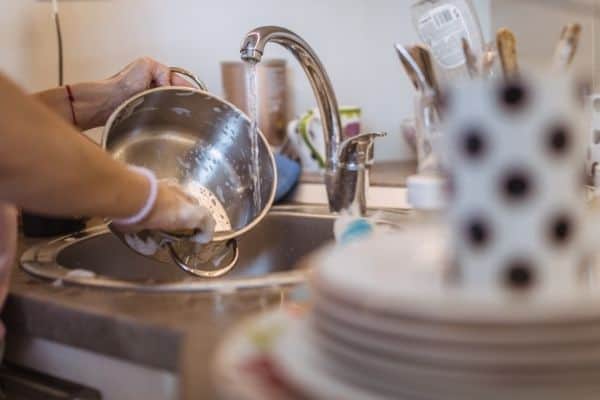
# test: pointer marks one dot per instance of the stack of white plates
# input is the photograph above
(386, 327)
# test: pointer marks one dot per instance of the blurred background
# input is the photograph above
(354, 39)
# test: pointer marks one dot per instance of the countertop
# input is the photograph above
(173, 332)
(384, 174)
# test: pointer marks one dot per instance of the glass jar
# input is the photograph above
(428, 133)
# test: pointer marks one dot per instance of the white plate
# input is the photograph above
(397, 328)
(413, 370)
(402, 274)
(395, 388)
(304, 366)
(234, 383)
(323, 378)
(522, 359)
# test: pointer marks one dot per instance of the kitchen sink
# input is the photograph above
(269, 255)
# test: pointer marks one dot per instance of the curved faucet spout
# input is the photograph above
(346, 173)
(252, 50)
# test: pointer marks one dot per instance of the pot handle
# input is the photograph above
(202, 272)
(201, 85)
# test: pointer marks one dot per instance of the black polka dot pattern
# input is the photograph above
(520, 275)
(558, 140)
(478, 232)
(561, 229)
(516, 185)
(513, 96)
(474, 143)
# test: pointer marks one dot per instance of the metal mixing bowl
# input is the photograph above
(193, 137)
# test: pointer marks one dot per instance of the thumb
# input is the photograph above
(161, 74)
(199, 219)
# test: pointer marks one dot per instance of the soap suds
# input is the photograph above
(207, 199)
(146, 247)
(215, 219)
(80, 274)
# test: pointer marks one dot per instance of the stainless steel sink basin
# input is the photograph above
(268, 255)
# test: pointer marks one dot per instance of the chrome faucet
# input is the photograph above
(347, 162)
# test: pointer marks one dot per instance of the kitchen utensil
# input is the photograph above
(192, 137)
(488, 59)
(427, 105)
(272, 95)
(470, 58)
(418, 65)
(425, 62)
(567, 46)
(412, 68)
(506, 43)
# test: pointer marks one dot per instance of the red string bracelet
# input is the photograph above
(71, 101)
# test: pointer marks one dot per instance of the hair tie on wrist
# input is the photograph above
(71, 101)
(150, 201)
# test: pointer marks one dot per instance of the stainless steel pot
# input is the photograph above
(196, 139)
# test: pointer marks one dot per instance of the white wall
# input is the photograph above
(537, 25)
(353, 38)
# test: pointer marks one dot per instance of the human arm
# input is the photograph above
(94, 101)
(47, 168)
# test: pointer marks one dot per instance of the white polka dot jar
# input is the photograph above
(517, 207)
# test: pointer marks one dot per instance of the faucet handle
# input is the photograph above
(357, 152)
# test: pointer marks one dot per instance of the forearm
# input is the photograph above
(46, 167)
(95, 101)
(92, 105)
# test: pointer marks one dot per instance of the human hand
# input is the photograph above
(142, 74)
(93, 102)
(174, 212)
(177, 211)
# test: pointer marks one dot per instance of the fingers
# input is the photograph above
(177, 80)
(146, 72)
(192, 216)
(175, 210)
(160, 73)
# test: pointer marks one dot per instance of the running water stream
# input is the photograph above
(252, 95)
